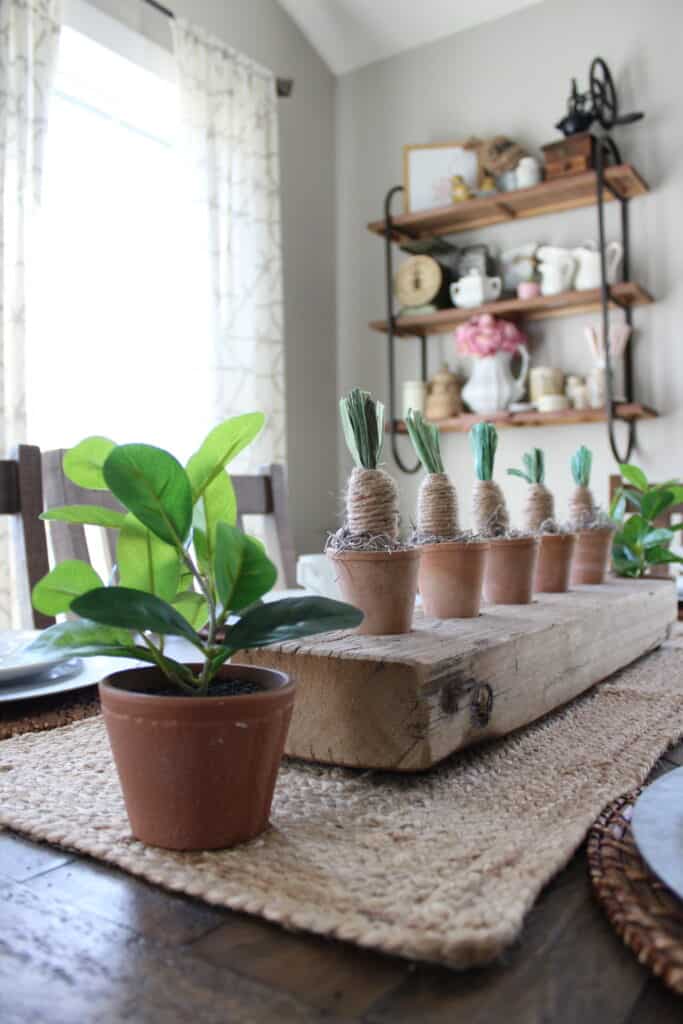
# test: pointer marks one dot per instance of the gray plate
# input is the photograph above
(657, 826)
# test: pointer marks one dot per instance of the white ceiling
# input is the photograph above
(350, 33)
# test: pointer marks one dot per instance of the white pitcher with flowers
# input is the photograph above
(493, 343)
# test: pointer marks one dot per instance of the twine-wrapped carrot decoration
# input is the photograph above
(582, 508)
(437, 502)
(489, 511)
(539, 511)
(371, 495)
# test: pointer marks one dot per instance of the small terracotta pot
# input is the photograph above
(591, 555)
(197, 773)
(554, 563)
(510, 570)
(383, 584)
(451, 577)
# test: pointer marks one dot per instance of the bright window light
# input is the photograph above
(119, 339)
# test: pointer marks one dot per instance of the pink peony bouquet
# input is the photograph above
(485, 335)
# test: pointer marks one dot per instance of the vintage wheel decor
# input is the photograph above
(642, 910)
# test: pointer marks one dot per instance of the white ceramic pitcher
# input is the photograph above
(557, 269)
(587, 256)
(492, 386)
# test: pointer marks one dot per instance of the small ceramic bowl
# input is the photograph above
(528, 289)
(552, 403)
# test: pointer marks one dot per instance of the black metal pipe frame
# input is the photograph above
(391, 332)
(604, 146)
(284, 85)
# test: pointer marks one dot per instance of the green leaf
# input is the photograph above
(655, 502)
(635, 529)
(656, 537)
(618, 507)
(90, 515)
(289, 618)
(626, 568)
(243, 571)
(145, 562)
(193, 608)
(425, 438)
(216, 505)
(623, 551)
(520, 474)
(581, 465)
(658, 556)
(677, 492)
(219, 448)
(133, 609)
(79, 633)
(362, 420)
(632, 497)
(634, 476)
(54, 593)
(152, 485)
(83, 463)
(484, 441)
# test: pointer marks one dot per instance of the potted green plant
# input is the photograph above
(451, 562)
(556, 544)
(593, 528)
(376, 573)
(197, 743)
(641, 545)
(511, 560)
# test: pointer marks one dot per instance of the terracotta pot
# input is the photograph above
(451, 577)
(197, 773)
(510, 570)
(554, 563)
(383, 584)
(591, 555)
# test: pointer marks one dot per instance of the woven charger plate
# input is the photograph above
(642, 910)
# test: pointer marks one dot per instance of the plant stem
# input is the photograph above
(206, 674)
(161, 663)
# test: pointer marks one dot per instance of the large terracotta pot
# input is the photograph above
(197, 773)
(554, 563)
(592, 555)
(383, 584)
(451, 577)
(510, 570)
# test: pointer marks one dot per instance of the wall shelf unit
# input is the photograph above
(616, 183)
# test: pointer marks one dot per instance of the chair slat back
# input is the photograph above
(21, 494)
(265, 494)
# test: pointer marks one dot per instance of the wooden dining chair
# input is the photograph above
(265, 494)
(21, 496)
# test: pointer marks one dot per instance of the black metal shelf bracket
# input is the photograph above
(391, 334)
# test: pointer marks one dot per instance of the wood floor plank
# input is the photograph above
(63, 965)
(143, 908)
(21, 859)
(332, 976)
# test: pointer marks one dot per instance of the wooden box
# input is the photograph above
(570, 155)
(406, 702)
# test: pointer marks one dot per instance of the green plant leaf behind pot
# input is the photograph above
(658, 537)
(219, 448)
(79, 635)
(193, 608)
(290, 618)
(133, 609)
(634, 476)
(216, 504)
(243, 571)
(660, 556)
(87, 515)
(54, 593)
(145, 562)
(152, 484)
(83, 463)
(654, 502)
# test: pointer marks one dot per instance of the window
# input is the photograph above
(119, 342)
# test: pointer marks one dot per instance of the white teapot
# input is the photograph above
(589, 271)
(474, 289)
(557, 269)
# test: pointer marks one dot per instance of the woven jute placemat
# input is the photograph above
(440, 867)
(642, 910)
(39, 714)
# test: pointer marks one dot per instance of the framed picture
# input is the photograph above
(428, 170)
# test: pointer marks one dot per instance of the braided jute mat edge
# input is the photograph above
(643, 911)
(441, 867)
(39, 714)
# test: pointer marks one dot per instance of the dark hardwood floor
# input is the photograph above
(82, 943)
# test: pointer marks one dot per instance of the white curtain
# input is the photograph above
(229, 109)
(29, 37)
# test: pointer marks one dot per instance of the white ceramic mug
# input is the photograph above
(528, 172)
(414, 396)
(545, 380)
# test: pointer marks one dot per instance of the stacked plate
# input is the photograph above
(657, 827)
(25, 673)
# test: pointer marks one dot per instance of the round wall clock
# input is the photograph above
(419, 282)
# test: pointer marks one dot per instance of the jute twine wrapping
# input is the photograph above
(489, 510)
(372, 503)
(441, 866)
(437, 507)
(539, 508)
(582, 511)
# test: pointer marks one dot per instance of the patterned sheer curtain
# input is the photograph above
(229, 108)
(29, 37)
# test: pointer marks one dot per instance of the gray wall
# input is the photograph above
(512, 77)
(262, 30)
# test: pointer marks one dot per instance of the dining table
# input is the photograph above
(84, 942)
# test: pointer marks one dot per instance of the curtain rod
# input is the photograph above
(284, 86)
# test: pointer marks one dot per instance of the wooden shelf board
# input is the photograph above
(540, 308)
(567, 193)
(461, 424)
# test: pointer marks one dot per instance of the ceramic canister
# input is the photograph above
(545, 380)
(414, 395)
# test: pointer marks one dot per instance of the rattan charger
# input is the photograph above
(643, 911)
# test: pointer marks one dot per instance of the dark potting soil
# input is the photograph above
(219, 688)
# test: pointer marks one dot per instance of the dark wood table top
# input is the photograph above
(81, 942)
